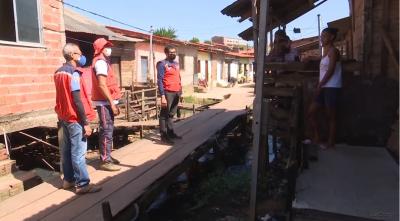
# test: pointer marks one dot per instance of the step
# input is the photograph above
(7, 167)
(15, 183)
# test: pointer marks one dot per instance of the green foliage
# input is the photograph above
(166, 32)
(194, 40)
(207, 42)
(224, 185)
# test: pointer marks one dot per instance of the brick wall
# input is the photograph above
(126, 51)
(26, 73)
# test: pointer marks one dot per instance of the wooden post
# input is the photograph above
(107, 215)
(257, 119)
(127, 105)
(368, 35)
(156, 102)
(142, 106)
(391, 51)
(194, 109)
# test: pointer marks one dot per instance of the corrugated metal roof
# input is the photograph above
(282, 12)
(75, 22)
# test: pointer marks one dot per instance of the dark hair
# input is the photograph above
(168, 48)
(332, 31)
(280, 33)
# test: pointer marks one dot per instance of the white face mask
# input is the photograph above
(107, 52)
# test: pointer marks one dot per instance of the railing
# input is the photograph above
(139, 105)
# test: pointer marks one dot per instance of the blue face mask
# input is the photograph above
(82, 61)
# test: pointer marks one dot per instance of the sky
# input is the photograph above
(202, 19)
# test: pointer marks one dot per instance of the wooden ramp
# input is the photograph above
(142, 162)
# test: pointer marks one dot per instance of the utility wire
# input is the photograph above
(102, 16)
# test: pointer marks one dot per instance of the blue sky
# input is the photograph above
(201, 19)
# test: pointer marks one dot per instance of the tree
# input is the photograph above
(166, 32)
(194, 40)
(207, 42)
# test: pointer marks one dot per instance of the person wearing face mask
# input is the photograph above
(170, 89)
(105, 96)
(74, 111)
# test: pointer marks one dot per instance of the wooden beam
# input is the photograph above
(39, 140)
(390, 49)
(347, 66)
(367, 46)
(258, 110)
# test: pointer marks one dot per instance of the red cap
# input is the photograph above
(100, 44)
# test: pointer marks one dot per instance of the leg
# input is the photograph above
(78, 152)
(172, 101)
(65, 151)
(163, 120)
(332, 126)
(312, 116)
(332, 95)
(105, 132)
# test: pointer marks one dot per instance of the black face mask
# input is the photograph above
(172, 57)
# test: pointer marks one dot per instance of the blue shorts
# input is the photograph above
(328, 97)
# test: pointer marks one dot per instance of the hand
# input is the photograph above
(87, 130)
(163, 101)
(115, 109)
(318, 91)
(180, 104)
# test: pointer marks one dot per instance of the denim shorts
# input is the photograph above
(328, 97)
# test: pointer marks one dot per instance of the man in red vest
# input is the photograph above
(105, 96)
(74, 112)
(170, 89)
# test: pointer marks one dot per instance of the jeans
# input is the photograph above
(106, 117)
(168, 112)
(73, 147)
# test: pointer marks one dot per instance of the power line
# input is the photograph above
(102, 16)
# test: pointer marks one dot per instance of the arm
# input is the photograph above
(104, 90)
(333, 59)
(160, 77)
(76, 97)
(101, 69)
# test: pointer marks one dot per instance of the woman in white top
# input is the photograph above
(330, 83)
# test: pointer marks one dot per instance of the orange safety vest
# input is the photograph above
(65, 107)
(111, 82)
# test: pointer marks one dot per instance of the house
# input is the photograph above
(84, 31)
(31, 41)
(308, 48)
(145, 65)
(231, 42)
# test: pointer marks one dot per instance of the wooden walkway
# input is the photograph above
(142, 163)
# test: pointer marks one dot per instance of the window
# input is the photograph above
(181, 61)
(19, 21)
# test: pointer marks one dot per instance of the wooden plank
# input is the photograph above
(390, 49)
(118, 202)
(258, 110)
(123, 196)
(137, 123)
(281, 92)
(347, 66)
